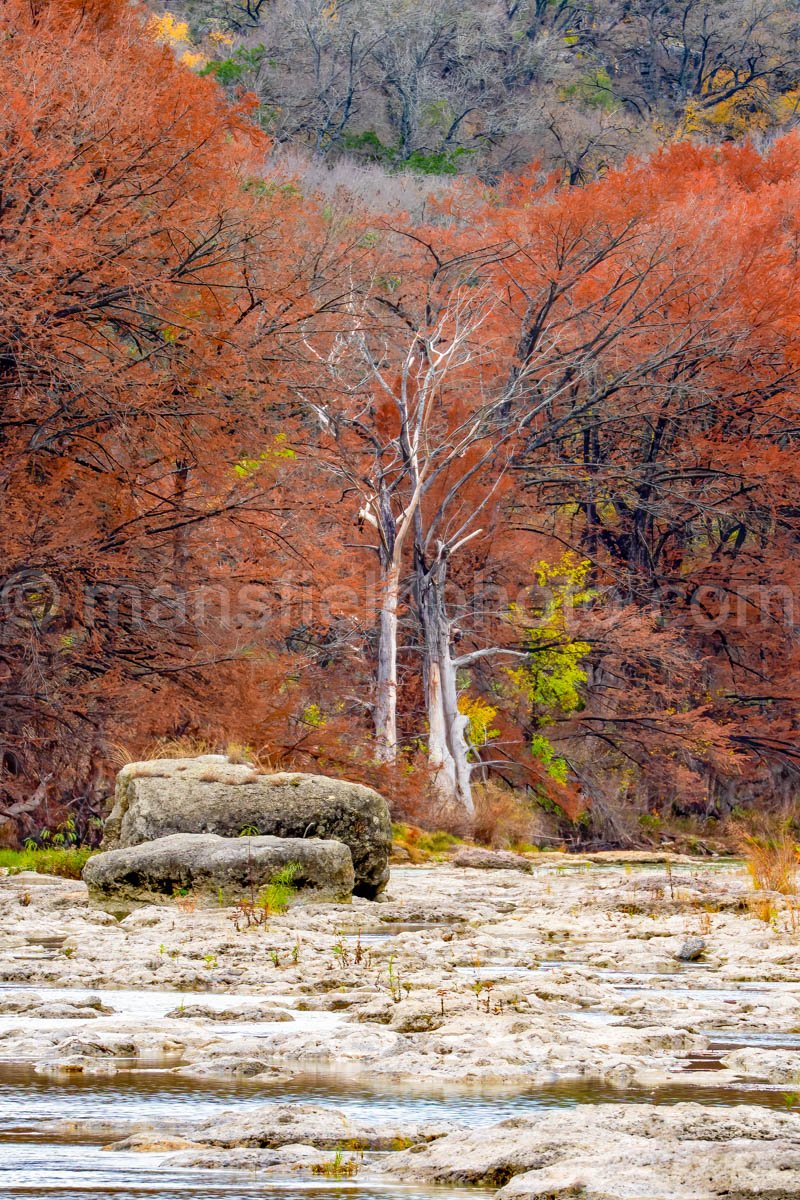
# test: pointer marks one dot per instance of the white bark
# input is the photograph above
(386, 683)
(448, 749)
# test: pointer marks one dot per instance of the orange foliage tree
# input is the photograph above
(139, 457)
(223, 400)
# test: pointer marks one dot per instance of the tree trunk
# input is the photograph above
(386, 689)
(448, 750)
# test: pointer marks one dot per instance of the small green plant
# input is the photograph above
(341, 952)
(280, 890)
(296, 952)
(338, 1167)
(394, 981)
(792, 1099)
(276, 958)
(210, 961)
(254, 911)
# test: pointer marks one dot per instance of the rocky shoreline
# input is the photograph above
(557, 975)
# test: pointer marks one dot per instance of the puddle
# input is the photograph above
(374, 934)
(148, 1006)
(703, 1062)
(730, 1040)
(743, 993)
(493, 970)
(634, 980)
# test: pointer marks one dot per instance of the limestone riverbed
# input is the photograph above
(533, 1031)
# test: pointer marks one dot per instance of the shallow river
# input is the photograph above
(39, 1158)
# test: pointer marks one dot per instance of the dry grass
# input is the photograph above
(763, 909)
(180, 747)
(502, 819)
(190, 746)
(424, 845)
(771, 860)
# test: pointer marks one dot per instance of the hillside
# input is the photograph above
(442, 86)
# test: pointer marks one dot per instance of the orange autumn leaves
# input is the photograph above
(626, 388)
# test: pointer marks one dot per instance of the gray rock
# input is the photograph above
(204, 864)
(619, 1152)
(691, 950)
(274, 1125)
(244, 1013)
(209, 794)
(491, 860)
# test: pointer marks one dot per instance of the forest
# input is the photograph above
(405, 392)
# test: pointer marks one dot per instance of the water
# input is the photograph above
(51, 1140)
(148, 1006)
(743, 1038)
(80, 1172)
(31, 1104)
(48, 1149)
(144, 1004)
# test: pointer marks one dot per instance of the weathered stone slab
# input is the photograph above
(206, 864)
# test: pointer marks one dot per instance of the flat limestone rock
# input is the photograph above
(209, 794)
(620, 1152)
(205, 864)
(491, 860)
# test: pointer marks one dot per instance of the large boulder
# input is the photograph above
(206, 864)
(209, 794)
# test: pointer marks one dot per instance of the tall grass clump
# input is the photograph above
(771, 860)
(66, 861)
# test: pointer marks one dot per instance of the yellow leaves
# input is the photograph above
(171, 32)
(787, 106)
(569, 575)
(167, 30)
(221, 39)
(247, 467)
(480, 715)
(747, 110)
(314, 716)
(553, 678)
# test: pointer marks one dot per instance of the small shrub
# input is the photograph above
(274, 898)
(502, 818)
(763, 909)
